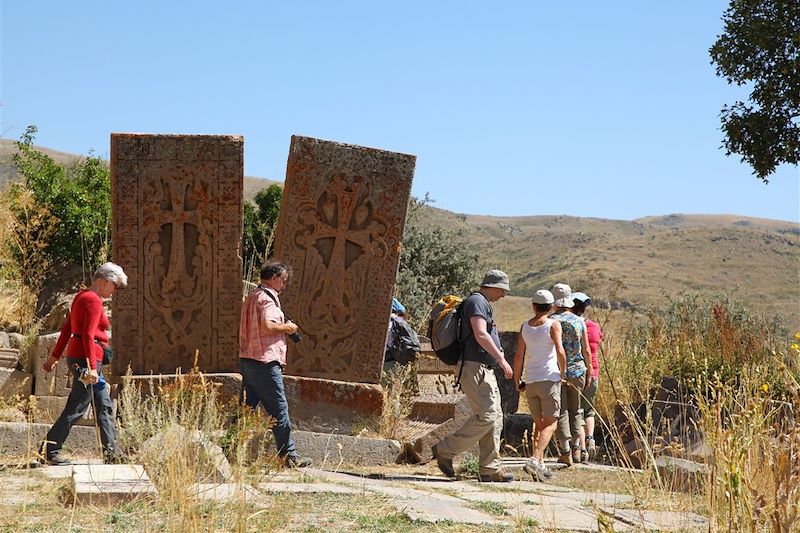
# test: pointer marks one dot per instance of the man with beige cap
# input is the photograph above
(482, 352)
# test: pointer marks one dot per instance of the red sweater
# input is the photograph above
(85, 322)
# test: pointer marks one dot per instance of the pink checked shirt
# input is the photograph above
(254, 342)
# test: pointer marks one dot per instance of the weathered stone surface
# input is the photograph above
(340, 227)
(58, 314)
(224, 492)
(55, 383)
(659, 520)
(49, 408)
(177, 204)
(681, 475)
(15, 383)
(9, 357)
(15, 340)
(331, 406)
(428, 437)
(108, 484)
(206, 458)
(328, 450)
(518, 433)
(5, 341)
(228, 385)
(19, 439)
(509, 395)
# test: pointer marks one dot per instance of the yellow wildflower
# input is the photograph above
(765, 387)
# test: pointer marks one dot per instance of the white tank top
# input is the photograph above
(541, 362)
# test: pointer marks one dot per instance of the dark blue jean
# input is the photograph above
(263, 383)
(80, 397)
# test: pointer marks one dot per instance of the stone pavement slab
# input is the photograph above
(105, 484)
(659, 520)
(224, 492)
(308, 488)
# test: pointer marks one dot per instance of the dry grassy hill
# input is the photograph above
(751, 259)
(756, 260)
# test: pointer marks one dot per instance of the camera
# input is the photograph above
(296, 337)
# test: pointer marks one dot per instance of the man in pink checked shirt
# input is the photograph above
(262, 356)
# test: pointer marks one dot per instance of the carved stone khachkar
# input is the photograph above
(340, 228)
(177, 210)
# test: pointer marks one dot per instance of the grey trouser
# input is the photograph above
(479, 385)
(80, 398)
(571, 417)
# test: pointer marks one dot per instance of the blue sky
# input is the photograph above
(604, 109)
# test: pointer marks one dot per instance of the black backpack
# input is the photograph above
(405, 345)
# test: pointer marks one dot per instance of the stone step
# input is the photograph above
(109, 484)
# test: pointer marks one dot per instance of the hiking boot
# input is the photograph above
(501, 476)
(576, 456)
(565, 458)
(292, 461)
(584, 457)
(445, 465)
(56, 459)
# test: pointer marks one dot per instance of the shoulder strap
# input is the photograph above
(271, 297)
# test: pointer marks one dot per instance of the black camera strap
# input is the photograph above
(276, 302)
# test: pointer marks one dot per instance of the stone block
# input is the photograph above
(110, 484)
(518, 433)
(329, 450)
(5, 341)
(509, 395)
(22, 439)
(55, 383)
(332, 406)
(49, 408)
(15, 383)
(9, 357)
(177, 205)
(341, 225)
(16, 340)
(228, 385)
(421, 447)
(681, 475)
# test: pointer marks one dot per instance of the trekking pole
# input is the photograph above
(94, 413)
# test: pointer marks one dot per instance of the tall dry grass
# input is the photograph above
(186, 437)
(737, 376)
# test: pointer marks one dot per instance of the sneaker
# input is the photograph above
(565, 458)
(56, 459)
(584, 457)
(445, 465)
(292, 461)
(501, 476)
(538, 471)
(591, 447)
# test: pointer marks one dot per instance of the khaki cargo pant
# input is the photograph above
(479, 385)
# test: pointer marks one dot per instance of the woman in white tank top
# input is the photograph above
(541, 362)
(539, 367)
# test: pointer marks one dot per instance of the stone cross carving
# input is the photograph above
(340, 228)
(177, 225)
(177, 217)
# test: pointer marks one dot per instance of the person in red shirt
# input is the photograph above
(582, 301)
(84, 335)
